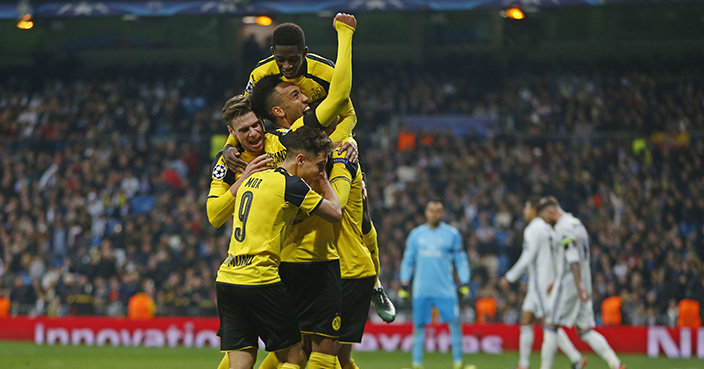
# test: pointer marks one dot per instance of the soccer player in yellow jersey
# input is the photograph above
(285, 104)
(310, 265)
(358, 270)
(291, 61)
(252, 301)
(249, 129)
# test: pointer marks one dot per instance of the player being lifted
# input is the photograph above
(291, 61)
(537, 259)
(252, 301)
(569, 298)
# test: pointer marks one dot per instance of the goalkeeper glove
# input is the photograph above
(464, 292)
(404, 292)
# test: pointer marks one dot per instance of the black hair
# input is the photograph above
(534, 201)
(288, 34)
(263, 98)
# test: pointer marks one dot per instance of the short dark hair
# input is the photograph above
(546, 202)
(288, 34)
(263, 97)
(308, 140)
(236, 107)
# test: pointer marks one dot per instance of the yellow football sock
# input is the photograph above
(290, 366)
(337, 364)
(225, 363)
(319, 360)
(270, 362)
(351, 365)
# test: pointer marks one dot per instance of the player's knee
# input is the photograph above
(324, 345)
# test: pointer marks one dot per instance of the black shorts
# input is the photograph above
(315, 290)
(356, 297)
(249, 312)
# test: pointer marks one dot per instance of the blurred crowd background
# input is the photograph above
(104, 176)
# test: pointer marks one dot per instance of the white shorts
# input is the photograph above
(535, 303)
(566, 310)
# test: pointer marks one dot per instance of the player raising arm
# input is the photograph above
(312, 73)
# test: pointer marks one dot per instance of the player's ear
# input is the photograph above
(305, 51)
(300, 159)
(277, 111)
(232, 131)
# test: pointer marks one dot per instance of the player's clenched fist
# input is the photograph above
(345, 18)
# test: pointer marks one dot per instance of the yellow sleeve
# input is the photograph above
(370, 240)
(347, 123)
(301, 195)
(231, 140)
(341, 81)
(341, 177)
(221, 203)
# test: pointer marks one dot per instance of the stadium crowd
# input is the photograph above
(104, 178)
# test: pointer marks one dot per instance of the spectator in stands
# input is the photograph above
(141, 306)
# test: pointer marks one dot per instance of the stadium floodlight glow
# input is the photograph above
(25, 22)
(263, 20)
(513, 13)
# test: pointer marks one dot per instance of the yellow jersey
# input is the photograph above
(314, 83)
(220, 204)
(346, 179)
(264, 207)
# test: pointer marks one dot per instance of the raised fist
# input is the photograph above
(345, 18)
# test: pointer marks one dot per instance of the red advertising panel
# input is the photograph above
(200, 332)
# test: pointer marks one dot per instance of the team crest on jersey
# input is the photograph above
(250, 86)
(219, 172)
(336, 323)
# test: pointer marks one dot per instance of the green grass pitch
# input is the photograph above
(15, 355)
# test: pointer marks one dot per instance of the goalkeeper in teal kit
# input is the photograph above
(431, 250)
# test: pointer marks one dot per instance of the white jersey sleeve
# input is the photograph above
(531, 246)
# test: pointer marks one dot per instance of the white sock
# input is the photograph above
(564, 343)
(598, 343)
(525, 345)
(547, 353)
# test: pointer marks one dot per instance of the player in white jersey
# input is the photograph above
(569, 297)
(538, 260)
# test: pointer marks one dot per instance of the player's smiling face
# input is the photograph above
(290, 59)
(249, 131)
(292, 101)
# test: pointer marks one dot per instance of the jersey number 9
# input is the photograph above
(242, 215)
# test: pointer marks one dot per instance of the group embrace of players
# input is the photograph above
(302, 240)
(556, 256)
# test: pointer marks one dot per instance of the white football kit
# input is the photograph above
(538, 259)
(571, 246)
